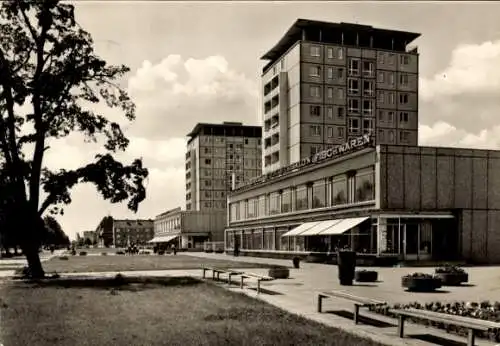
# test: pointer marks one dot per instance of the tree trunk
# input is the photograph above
(34, 263)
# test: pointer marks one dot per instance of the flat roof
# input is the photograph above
(294, 34)
(227, 129)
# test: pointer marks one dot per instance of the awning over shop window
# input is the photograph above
(299, 229)
(163, 239)
(320, 227)
(342, 226)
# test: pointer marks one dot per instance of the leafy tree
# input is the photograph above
(48, 64)
(54, 232)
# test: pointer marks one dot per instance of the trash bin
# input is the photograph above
(346, 262)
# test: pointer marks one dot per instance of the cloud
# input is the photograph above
(174, 94)
(444, 134)
(466, 93)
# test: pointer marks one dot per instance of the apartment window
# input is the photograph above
(391, 136)
(207, 150)
(330, 131)
(315, 110)
(404, 59)
(329, 72)
(353, 106)
(403, 98)
(404, 136)
(329, 93)
(381, 77)
(354, 67)
(314, 71)
(315, 130)
(340, 73)
(314, 149)
(353, 86)
(367, 107)
(404, 117)
(329, 112)
(315, 51)
(381, 115)
(403, 79)
(208, 183)
(340, 53)
(340, 93)
(367, 125)
(368, 69)
(392, 98)
(353, 125)
(368, 89)
(391, 78)
(314, 91)
(340, 132)
(340, 112)
(381, 58)
(380, 96)
(329, 53)
(208, 161)
(381, 135)
(390, 116)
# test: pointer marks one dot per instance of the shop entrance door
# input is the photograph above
(411, 237)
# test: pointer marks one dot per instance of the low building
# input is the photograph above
(384, 201)
(91, 236)
(121, 233)
(189, 229)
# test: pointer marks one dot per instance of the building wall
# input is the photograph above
(212, 222)
(466, 180)
(140, 232)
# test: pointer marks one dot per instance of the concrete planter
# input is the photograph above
(421, 283)
(279, 273)
(366, 276)
(452, 279)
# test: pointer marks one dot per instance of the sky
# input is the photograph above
(200, 62)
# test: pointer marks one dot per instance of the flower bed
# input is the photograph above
(366, 276)
(419, 282)
(484, 310)
(451, 275)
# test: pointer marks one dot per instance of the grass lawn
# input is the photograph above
(178, 311)
(80, 264)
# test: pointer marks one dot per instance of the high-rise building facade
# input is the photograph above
(217, 153)
(327, 83)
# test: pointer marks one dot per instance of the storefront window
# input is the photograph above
(257, 239)
(269, 239)
(252, 208)
(282, 242)
(286, 201)
(339, 191)
(319, 194)
(301, 198)
(230, 239)
(274, 205)
(365, 190)
(262, 206)
(247, 240)
(300, 243)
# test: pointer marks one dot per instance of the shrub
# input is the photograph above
(279, 272)
(120, 252)
(104, 253)
(64, 258)
(83, 253)
(420, 282)
(161, 252)
(450, 269)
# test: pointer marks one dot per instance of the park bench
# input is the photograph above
(473, 325)
(258, 277)
(359, 302)
(218, 271)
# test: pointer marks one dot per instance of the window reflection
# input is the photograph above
(339, 191)
(286, 201)
(301, 198)
(365, 187)
(319, 194)
(274, 205)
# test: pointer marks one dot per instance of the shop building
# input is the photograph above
(189, 229)
(384, 201)
(120, 233)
